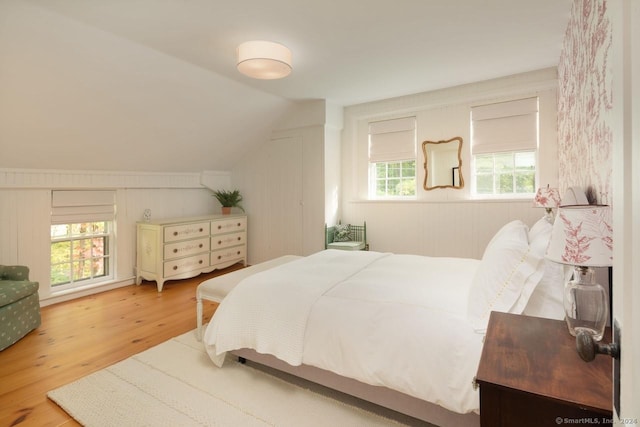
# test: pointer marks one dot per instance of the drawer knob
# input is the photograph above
(219, 227)
(219, 256)
(219, 242)
(175, 267)
(238, 252)
(239, 238)
(200, 261)
(201, 229)
(200, 245)
(175, 233)
(239, 224)
(175, 251)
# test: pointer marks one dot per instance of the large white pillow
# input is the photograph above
(507, 265)
(547, 298)
(539, 236)
(541, 230)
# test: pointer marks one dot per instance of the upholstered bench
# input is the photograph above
(215, 289)
(19, 304)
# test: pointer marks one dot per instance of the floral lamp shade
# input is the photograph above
(582, 235)
(547, 198)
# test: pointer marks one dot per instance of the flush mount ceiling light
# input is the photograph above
(264, 60)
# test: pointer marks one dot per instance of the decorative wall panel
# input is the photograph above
(585, 98)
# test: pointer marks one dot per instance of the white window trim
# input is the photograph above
(80, 206)
(511, 111)
(372, 178)
(391, 140)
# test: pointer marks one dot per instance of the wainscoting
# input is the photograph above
(456, 228)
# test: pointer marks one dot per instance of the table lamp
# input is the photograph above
(547, 198)
(582, 237)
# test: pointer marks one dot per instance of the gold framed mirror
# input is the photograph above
(443, 164)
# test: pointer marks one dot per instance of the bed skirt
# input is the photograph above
(382, 396)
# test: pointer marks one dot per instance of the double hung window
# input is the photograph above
(504, 144)
(82, 238)
(392, 158)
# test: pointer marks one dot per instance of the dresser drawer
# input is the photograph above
(228, 254)
(184, 265)
(174, 233)
(228, 225)
(186, 248)
(226, 240)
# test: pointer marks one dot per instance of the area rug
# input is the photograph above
(176, 384)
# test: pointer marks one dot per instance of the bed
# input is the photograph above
(403, 331)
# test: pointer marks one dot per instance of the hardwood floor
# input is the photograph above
(81, 336)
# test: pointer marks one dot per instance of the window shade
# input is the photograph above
(505, 126)
(82, 206)
(391, 140)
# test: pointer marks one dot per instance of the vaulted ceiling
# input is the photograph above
(152, 85)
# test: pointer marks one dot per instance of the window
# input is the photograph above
(392, 158)
(82, 238)
(79, 252)
(504, 143)
(505, 173)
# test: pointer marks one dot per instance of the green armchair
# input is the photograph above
(19, 304)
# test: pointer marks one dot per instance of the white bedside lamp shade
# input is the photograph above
(582, 236)
(264, 60)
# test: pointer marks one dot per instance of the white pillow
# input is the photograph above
(507, 265)
(541, 229)
(547, 298)
(539, 236)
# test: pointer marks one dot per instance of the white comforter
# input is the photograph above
(393, 320)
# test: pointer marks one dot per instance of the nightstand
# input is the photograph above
(531, 375)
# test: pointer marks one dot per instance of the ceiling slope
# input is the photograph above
(151, 85)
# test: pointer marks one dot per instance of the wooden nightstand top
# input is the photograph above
(539, 356)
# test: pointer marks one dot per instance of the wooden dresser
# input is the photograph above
(530, 374)
(180, 248)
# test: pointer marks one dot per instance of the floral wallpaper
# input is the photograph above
(585, 141)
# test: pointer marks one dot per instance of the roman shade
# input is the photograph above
(69, 207)
(505, 126)
(392, 140)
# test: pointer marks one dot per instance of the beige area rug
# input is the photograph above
(176, 384)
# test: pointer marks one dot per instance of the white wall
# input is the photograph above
(85, 98)
(25, 206)
(443, 221)
(625, 16)
(288, 185)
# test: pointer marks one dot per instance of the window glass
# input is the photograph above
(80, 253)
(505, 173)
(395, 179)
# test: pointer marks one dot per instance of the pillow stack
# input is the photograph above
(512, 266)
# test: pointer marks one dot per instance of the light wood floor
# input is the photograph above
(81, 336)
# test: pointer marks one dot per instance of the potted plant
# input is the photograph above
(229, 199)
